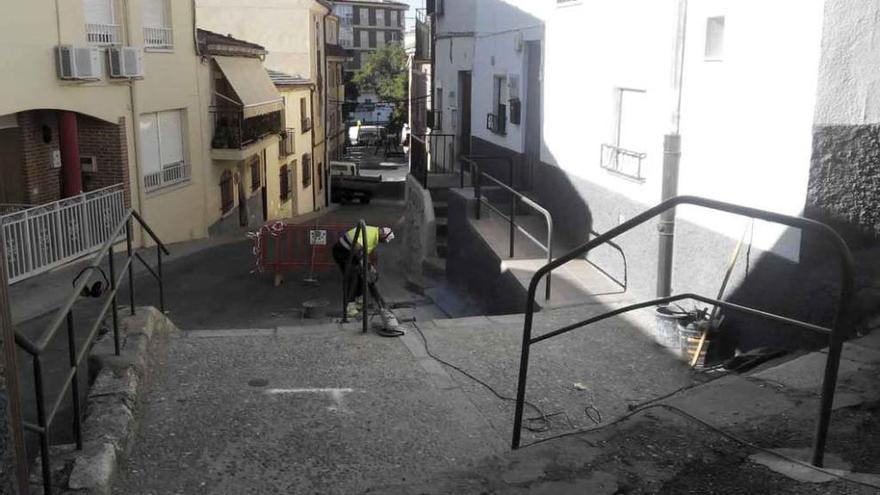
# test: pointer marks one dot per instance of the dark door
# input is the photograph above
(12, 188)
(464, 90)
(263, 191)
(533, 112)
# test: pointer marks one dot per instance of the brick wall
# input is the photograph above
(108, 143)
(39, 137)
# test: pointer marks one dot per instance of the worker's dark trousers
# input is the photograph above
(355, 281)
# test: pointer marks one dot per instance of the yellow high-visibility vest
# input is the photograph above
(372, 238)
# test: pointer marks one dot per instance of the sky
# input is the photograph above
(411, 15)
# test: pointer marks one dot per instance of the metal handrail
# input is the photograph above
(359, 232)
(477, 176)
(835, 331)
(65, 317)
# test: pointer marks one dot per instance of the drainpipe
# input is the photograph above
(324, 111)
(671, 161)
(312, 165)
(135, 137)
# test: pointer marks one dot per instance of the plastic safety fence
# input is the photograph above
(281, 247)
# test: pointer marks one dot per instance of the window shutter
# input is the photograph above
(171, 137)
(149, 135)
(98, 11)
(154, 13)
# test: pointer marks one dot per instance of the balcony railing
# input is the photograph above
(622, 161)
(158, 37)
(233, 132)
(436, 120)
(103, 34)
(306, 124)
(170, 174)
(497, 122)
(423, 38)
(287, 146)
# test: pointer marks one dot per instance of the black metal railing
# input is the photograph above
(65, 318)
(836, 331)
(622, 161)
(306, 124)
(516, 198)
(360, 232)
(497, 122)
(432, 154)
(233, 132)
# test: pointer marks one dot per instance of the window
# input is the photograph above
(364, 17)
(715, 38)
(497, 120)
(372, 16)
(162, 149)
(101, 27)
(364, 39)
(305, 117)
(227, 200)
(372, 38)
(284, 183)
(438, 109)
(629, 139)
(381, 20)
(393, 18)
(321, 176)
(157, 25)
(306, 170)
(254, 166)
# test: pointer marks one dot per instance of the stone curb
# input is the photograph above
(110, 417)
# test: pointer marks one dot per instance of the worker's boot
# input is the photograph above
(390, 326)
(352, 309)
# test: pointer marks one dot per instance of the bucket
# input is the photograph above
(666, 331)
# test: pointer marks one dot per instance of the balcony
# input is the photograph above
(287, 146)
(236, 137)
(103, 34)
(170, 174)
(423, 36)
(159, 38)
(306, 124)
(623, 162)
(497, 122)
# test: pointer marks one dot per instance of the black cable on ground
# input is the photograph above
(711, 427)
(543, 419)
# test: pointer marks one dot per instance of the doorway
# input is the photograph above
(534, 91)
(12, 189)
(464, 103)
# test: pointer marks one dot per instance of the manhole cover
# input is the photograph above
(258, 382)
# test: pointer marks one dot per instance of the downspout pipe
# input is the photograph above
(325, 121)
(135, 136)
(312, 164)
(671, 161)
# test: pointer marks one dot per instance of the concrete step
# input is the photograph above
(442, 227)
(441, 209)
(434, 266)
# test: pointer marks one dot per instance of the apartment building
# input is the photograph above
(86, 106)
(293, 34)
(366, 25)
(767, 121)
(336, 57)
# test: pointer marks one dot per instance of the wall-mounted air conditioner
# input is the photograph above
(88, 163)
(127, 62)
(78, 63)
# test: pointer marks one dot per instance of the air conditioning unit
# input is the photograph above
(88, 164)
(127, 62)
(79, 63)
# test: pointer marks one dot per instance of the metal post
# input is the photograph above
(113, 309)
(161, 280)
(477, 188)
(44, 429)
(512, 222)
(666, 225)
(364, 263)
(130, 265)
(71, 347)
(13, 390)
(523, 370)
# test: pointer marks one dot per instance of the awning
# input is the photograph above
(251, 83)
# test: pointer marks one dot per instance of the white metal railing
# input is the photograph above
(6, 208)
(169, 175)
(158, 37)
(103, 34)
(622, 161)
(43, 237)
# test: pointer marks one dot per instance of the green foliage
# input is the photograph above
(384, 72)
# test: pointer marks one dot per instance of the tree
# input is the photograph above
(384, 72)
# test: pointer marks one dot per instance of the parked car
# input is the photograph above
(346, 183)
(366, 135)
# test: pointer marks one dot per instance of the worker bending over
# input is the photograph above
(354, 295)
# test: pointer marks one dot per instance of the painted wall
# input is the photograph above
(30, 81)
